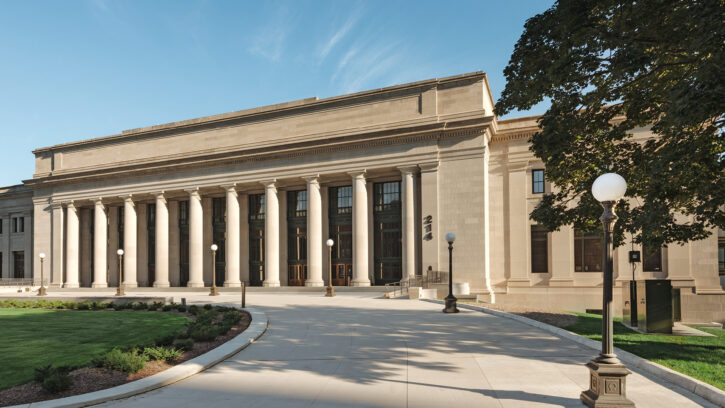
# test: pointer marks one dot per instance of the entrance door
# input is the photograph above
(151, 242)
(19, 264)
(219, 228)
(387, 231)
(256, 239)
(296, 237)
(340, 216)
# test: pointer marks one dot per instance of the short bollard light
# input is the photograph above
(214, 291)
(450, 299)
(41, 291)
(330, 290)
(607, 374)
(119, 291)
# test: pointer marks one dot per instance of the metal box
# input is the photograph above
(629, 308)
(654, 306)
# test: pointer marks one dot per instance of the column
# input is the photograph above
(359, 229)
(314, 232)
(29, 257)
(129, 243)
(518, 225)
(7, 254)
(196, 240)
(271, 235)
(232, 241)
(408, 215)
(72, 247)
(57, 261)
(174, 241)
(114, 243)
(162, 242)
(100, 234)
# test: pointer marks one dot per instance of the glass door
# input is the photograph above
(297, 237)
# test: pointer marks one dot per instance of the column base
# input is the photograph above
(191, 284)
(162, 284)
(71, 285)
(361, 283)
(270, 284)
(315, 284)
(99, 285)
(607, 386)
(130, 285)
(232, 284)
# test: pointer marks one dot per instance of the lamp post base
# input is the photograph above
(42, 292)
(120, 292)
(450, 304)
(607, 386)
(330, 292)
(214, 291)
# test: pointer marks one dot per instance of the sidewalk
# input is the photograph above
(357, 350)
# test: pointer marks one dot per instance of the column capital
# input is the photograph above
(357, 173)
(160, 197)
(69, 204)
(229, 187)
(193, 192)
(56, 205)
(98, 201)
(408, 169)
(269, 183)
(127, 198)
(311, 179)
(428, 167)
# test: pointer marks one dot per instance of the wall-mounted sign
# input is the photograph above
(428, 227)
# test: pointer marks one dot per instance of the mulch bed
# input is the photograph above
(89, 379)
(554, 318)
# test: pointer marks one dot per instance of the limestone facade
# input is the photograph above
(385, 173)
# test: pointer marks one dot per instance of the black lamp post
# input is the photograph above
(607, 384)
(41, 291)
(450, 299)
(330, 290)
(119, 291)
(213, 291)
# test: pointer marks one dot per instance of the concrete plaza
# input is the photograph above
(358, 350)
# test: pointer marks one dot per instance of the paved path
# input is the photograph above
(355, 350)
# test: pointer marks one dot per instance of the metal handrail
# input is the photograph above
(22, 282)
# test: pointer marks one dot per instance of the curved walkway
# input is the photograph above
(355, 350)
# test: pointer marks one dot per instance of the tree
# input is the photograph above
(609, 67)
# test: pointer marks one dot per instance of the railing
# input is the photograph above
(392, 289)
(431, 277)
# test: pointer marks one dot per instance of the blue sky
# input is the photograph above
(72, 70)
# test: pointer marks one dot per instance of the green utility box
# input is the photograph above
(654, 306)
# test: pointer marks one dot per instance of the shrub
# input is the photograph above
(166, 340)
(207, 306)
(167, 308)
(162, 353)
(193, 309)
(84, 306)
(203, 333)
(53, 379)
(231, 317)
(181, 308)
(140, 306)
(185, 344)
(129, 361)
(155, 306)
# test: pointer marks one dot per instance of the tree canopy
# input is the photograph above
(610, 68)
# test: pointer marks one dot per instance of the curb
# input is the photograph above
(256, 329)
(697, 387)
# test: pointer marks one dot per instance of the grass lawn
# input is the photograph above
(31, 338)
(699, 357)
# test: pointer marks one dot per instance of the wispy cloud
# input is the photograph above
(338, 34)
(270, 41)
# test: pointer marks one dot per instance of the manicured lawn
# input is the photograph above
(31, 338)
(699, 357)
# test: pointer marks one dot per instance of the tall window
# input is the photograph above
(343, 203)
(651, 259)
(721, 255)
(588, 251)
(256, 206)
(1, 226)
(539, 249)
(537, 181)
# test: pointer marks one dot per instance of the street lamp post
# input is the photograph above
(607, 385)
(450, 299)
(41, 291)
(119, 291)
(330, 290)
(214, 291)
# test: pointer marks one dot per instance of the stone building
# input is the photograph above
(384, 173)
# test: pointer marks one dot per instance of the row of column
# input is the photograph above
(196, 250)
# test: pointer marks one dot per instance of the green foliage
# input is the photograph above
(155, 306)
(53, 379)
(231, 317)
(184, 344)
(140, 306)
(127, 361)
(162, 353)
(166, 340)
(609, 67)
(193, 310)
(181, 308)
(167, 308)
(207, 306)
